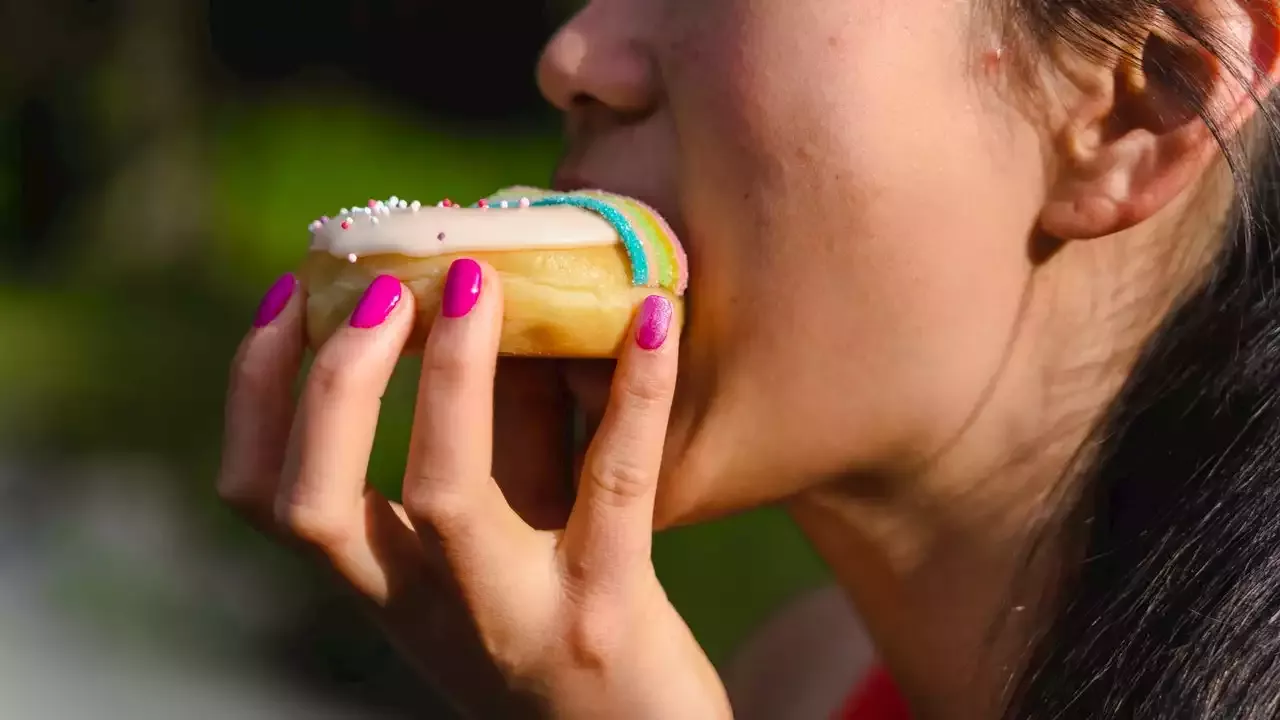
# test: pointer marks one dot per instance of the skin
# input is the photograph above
(934, 275)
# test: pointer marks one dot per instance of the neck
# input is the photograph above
(939, 564)
(949, 611)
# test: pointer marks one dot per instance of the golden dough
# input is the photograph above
(571, 303)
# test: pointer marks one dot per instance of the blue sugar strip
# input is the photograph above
(621, 225)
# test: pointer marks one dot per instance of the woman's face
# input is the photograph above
(857, 202)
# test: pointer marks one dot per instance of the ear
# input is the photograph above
(1133, 139)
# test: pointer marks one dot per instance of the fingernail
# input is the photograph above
(274, 302)
(376, 304)
(461, 288)
(655, 322)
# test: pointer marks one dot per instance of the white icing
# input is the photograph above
(430, 231)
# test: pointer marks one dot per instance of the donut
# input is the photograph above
(574, 266)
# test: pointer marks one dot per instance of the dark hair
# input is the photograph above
(1172, 607)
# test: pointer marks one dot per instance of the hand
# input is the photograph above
(508, 619)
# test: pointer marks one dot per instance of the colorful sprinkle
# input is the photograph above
(657, 259)
(352, 258)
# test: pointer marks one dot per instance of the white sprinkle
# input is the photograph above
(415, 206)
(375, 220)
(440, 204)
(367, 210)
(524, 202)
(352, 258)
(504, 204)
(344, 211)
(403, 205)
(395, 200)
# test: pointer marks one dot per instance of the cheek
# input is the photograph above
(873, 265)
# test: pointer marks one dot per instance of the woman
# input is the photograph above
(984, 292)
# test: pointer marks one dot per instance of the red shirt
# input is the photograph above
(875, 698)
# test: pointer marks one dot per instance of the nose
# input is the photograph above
(600, 58)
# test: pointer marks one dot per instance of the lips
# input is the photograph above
(568, 179)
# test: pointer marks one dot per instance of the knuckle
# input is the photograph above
(313, 525)
(427, 499)
(330, 378)
(645, 390)
(447, 367)
(593, 640)
(238, 495)
(254, 373)
(619, 481)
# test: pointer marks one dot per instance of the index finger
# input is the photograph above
(610, 532)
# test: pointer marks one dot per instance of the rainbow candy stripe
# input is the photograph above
(656, 255)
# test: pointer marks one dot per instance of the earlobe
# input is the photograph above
(1080, 215)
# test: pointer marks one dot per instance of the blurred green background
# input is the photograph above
(161, 161)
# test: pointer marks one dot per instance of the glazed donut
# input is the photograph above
(574, 266)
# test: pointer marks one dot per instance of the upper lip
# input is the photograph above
(569, 179)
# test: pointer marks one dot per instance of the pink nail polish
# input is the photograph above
(274, 302)
(654, 322)
(376, 304)
(461, 288)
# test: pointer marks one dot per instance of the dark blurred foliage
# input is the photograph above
(471, 61)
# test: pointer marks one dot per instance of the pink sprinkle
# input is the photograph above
(373, 203)
(447, 202)
(346, 224)
(524, 202)
(483, 204)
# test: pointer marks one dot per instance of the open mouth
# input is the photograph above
(588, 383)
